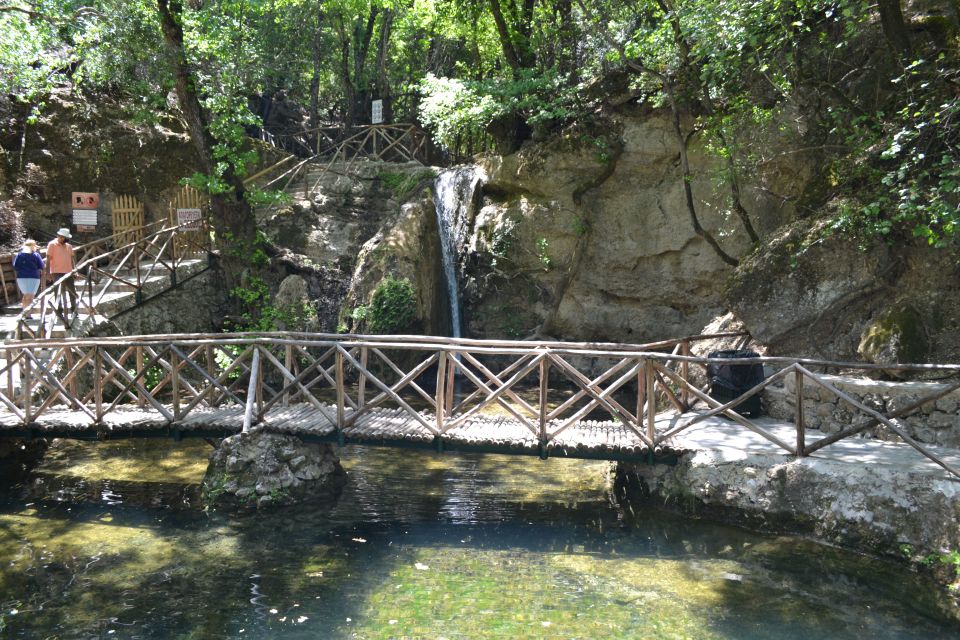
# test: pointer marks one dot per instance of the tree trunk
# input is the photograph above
(891, 17)
(230, 213)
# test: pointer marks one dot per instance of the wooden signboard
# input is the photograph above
(84, 200)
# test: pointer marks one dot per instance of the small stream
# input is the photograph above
(107, 542)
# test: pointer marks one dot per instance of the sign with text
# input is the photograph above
(376, 112)
(84, 217)
(189, 217)
(84, 200)
(85, 228)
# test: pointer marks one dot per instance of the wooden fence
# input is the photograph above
(547, 388)
(106, 269)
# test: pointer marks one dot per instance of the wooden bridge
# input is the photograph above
(115, 273)
(608, 401)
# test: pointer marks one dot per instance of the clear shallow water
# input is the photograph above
(108, 545)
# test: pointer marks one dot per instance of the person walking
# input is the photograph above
(60, 263)
(28, 265)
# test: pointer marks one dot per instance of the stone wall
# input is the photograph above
(935, 422)
(193, 306)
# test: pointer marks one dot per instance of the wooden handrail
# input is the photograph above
(205, 370)
(132, 251)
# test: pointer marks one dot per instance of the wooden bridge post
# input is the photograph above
(340, 389)
(10, 365)
(801, 427)
(362, 385)
(138, 354)
(72, 385)
(685, 374)
(651, 394)
(211, 366)
(641, 390)
(251, 390)
(175, 383)
(98, 382)
(441, 389)
(451, 383)
(27, 384)
(288, 365)
(544, 388)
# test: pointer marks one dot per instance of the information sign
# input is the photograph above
(189, 217)
(376, 114)
(84, 200)
(85, 217)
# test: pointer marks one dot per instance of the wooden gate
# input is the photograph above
(127, 220)
(193, 242)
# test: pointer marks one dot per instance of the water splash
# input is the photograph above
(454, 190)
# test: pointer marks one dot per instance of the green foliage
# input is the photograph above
(542, 254)
(403, 183)
(259, 314)
(393, 306)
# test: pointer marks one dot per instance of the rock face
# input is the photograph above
(258, 470)
(805, 295)
(594, 241)
(80, 144)
(352, 232)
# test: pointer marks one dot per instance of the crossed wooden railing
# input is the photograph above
(546, 388)
(389, 142)
(107, 268)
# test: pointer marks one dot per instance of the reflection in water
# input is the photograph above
(418, 546)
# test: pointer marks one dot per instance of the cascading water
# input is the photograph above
(454, 190)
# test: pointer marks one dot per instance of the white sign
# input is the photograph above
(189, 217)
(376, 115)
(86, 217)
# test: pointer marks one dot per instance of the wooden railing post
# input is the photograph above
(685, 374)
(175, 383)
(26, 381)
(251, 390)
(801, 427)
(362, 385)
(641, 391)
(98, 382)
(9, 356)
(441, 389)
(651, 394)
(341, 409)
(544, 388)
(72, 385)
(451, 382)
(288, 365)
(138, 354)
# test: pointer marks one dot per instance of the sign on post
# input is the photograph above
(189, 217)
(84, 200)
(85, 219)
(376, 112)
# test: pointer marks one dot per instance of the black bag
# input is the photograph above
(728, 381)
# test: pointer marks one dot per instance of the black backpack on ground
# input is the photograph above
(728, 381)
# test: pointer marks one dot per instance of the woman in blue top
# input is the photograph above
(29, 265)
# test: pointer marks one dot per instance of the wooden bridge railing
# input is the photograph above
(106, 268)
(436, 385)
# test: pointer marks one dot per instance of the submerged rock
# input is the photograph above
(258, 470)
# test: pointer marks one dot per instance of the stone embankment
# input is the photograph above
(871, 493)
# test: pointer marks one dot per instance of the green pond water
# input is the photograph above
(106, 541)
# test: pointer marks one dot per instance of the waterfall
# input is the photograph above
(453, 194)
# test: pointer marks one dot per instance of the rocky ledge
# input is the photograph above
(877, 497)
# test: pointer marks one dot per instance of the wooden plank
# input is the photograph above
(801, 440)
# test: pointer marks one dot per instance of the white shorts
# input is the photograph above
(28, 285)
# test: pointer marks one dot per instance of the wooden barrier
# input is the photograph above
(543, 395)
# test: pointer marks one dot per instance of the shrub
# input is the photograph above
(393, 307)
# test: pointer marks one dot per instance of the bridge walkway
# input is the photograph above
(640, 402)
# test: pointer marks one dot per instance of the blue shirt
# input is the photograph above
(28, 265)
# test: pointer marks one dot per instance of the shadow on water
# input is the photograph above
(417, 546)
